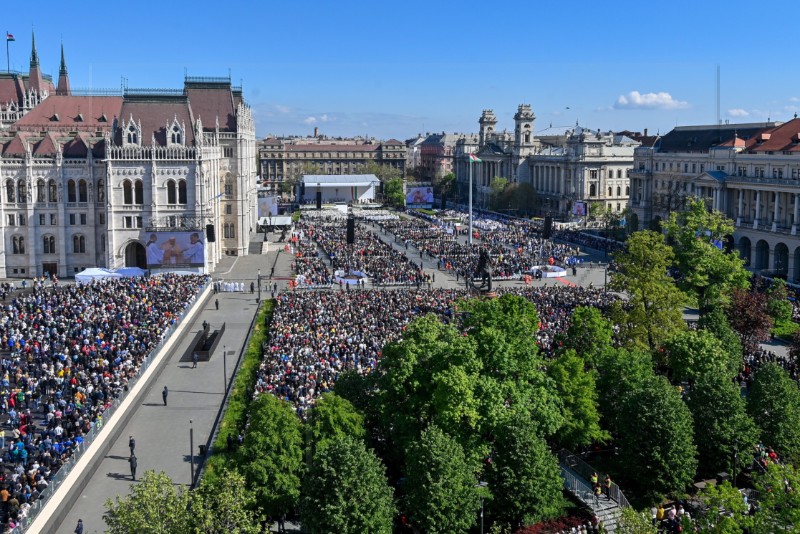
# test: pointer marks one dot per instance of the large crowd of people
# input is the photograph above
(369, 255)
(314, 337)
(66, 353)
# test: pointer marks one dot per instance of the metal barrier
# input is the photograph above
(586, 471)
(97, 425)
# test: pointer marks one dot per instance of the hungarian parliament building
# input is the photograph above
(87, 177)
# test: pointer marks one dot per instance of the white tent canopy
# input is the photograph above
(130, 271)
(94, 273)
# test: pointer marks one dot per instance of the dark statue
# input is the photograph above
(484, 270)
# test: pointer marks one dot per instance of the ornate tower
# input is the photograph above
(35, 72)
(523, 130)
(63, 77)
(487, 126)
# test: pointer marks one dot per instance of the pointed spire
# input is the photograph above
(63, 69)
(34, 55)
(63, 78)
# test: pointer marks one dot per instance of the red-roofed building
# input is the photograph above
(85, 180)
(750, 172)
(20, 93)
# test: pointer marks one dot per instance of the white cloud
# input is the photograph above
(637, 100)
(310, 120)
(282, 109)
(324, 117)
(794, 99)
(738, 112)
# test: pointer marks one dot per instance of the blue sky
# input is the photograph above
(395, 69)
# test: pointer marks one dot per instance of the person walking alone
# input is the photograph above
(216, 303)
(164, 394)
(79, 527)
(132, 461)
(132, 445)
(194, 360)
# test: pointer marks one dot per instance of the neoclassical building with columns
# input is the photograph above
(750, 172)
(86, 177)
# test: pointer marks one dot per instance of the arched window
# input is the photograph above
(138, 189)
(176, 135)
(171, 197)
(619, 191)
(83, 195)
(18, 245)
(627, 190)
(22, 193)
(592, 190)
(609, 191)
(40, 197)
(52, 191)
(127, 192)
(527, 137)
(71, 196)
(78, 244)
(49, 243)
(182, 192)
(10, 191)
(101, 191)
(132, 137)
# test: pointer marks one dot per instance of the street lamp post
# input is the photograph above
(259, 285)
(191, 453)
(470, 199)
(481, 485)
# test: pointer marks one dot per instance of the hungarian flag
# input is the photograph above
(474, 159)
(9, 37)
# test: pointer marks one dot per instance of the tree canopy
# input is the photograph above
(272, 456)
(657, 439)
(722, 428)
(440, 487)
(655, 309)
(707, 271)
(154, 505)
(346, 491)
(774, 404)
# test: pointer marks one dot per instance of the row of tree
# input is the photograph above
(459, 403)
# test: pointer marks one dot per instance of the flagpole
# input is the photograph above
(8, 61)
(470, 199)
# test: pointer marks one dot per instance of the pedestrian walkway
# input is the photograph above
(162, 433)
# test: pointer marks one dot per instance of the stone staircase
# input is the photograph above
(576, 474)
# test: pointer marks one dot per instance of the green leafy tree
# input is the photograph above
(440, 487)
(393, 192)
(633, 522)
(518, 197)
(723, 430)
(577, 390)
(497, 185)
(620, 372)
(272, 456)
(524, 477)
(774, 404)
(725, 511)
(223, 504)
(707, 272)
(655, 309)
(384, 172)
(467, 385)
(716, 322)
(346, 491)
(589, 334)
(778, 305)
(333, 417)
(154, 505)
(656, 440)
(778, 500)
(445, 185)
(693, 353)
